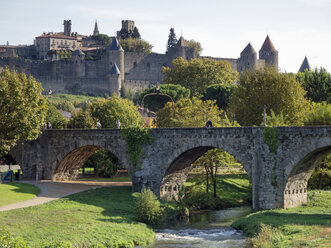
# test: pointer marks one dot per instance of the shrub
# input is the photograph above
(6, 240)
(59, 244)
(148, 209)
(267, 237)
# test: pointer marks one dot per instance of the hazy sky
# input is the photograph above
(224, 28)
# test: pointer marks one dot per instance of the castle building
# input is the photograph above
(99, 70)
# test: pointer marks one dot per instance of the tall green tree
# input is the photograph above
(55, 117)
(102, 39)
(318, 115)
(276, 91)
(220, 93)
(156, 102)
(136, 45)
(172, 39)
(108, 111)
(191, 113)
(82, 119)
(198, 74)
(197, 47)
(22, 109)
(317, 83)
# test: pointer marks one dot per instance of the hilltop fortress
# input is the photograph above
(68, 62)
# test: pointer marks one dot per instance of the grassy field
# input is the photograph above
(305, 226)
(16, 192)
(100, 216)
(232, 190)
(75, 99)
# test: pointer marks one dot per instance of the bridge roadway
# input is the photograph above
(279, 179)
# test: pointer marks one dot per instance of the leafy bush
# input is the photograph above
(148, 208)
(7, 241)
(320, 114)
(321, 176)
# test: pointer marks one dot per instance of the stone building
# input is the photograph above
(97, 70)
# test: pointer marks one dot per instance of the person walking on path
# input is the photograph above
(118, 124)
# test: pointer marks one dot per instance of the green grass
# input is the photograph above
(17, 192)
(103, 179)
(232, 190)
(100, 216)
(75, 99)
(305, 226)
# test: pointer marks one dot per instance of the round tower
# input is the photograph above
(78, 58)
(114, 79)
(269, 53)
(116, 56)
(248, 58)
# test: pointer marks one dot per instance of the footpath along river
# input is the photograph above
(205, 229)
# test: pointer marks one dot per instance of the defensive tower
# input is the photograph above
(305, 65)
(248, 58)
(116, 56)
(67, 27)
(269, 53)
(114, 79)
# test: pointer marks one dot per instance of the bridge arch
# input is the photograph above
(182, 159)
(297, 174)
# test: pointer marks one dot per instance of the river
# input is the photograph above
(205, 229)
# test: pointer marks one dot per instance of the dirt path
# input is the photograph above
(50, 191)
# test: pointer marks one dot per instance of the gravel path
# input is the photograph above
(50, 191)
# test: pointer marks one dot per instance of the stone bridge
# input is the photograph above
(279, 179)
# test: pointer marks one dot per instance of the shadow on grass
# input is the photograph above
(117, 202)
(25, 188)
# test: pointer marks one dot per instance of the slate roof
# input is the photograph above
(77, 52)
(248, 50)
(114, 70)
(268, 46)
(57, 36)
(115, 45)
(305, 65)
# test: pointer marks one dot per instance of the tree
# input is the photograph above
(212, 161)
(136, 34)
(55, 117)
(198, 74)
(172, 39)
(82, 119)
(136, 45)
(197, 47)
(22, 109)
(156, 102)
(108, 111)
(317, 83)
(277, 91)
(191, 113)
(102, 40)
(319, 114)
(220, 93)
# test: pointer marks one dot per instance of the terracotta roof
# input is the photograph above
(58, 36)
(115, 45)
(114, 70)
(267, 45)
(305, 65)
(248, 50)
(181, 42)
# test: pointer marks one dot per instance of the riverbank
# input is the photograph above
(97, 216)
(305, 226)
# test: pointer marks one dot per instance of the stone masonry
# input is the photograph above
(278, 179)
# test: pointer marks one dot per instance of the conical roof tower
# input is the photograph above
(115, 45)
(305, 65)
(114, 70)
(248, 50)
(268, 46)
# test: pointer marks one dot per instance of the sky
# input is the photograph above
(296, 27)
